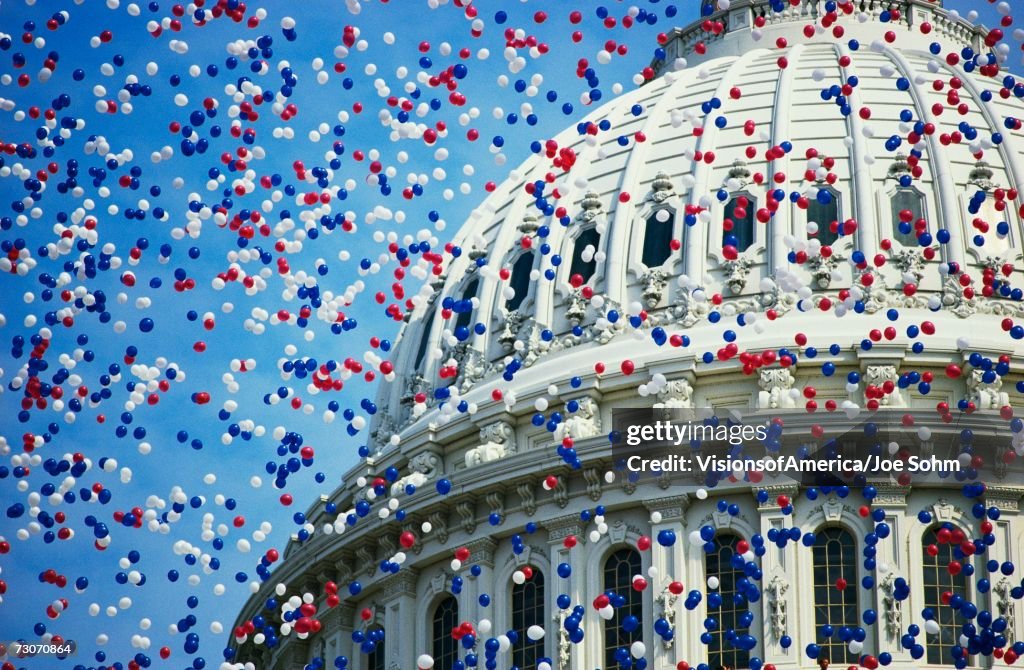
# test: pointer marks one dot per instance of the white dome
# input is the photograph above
(676, 155)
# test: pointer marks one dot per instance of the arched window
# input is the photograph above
(619, 570)
(528, 610)
(520, 280)
(824, 211)
(657, 239)
(579, 266)
(718, 563)
(465, 316)
(911, 200)
(738, 222)
(444, 647)
(421, 350)
(375, 659)
(936, 580)
(835, 556)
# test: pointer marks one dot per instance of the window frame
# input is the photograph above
(671, 224)
(527, 300)
(441, 639)
(526, 650)
(376, 659)
(634, 604)
(837, 200)
(755, 238)
(945, 582)
(850, 573)
(726, 655)
(893, 214)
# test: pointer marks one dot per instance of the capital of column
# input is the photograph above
(671, 508)
(481, 551)
(774, 491)
(1004, 498)
(562, 527)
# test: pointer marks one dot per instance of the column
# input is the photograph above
(1007, 500)
(886, 634)
(565, 655)
(671, 563)
(481, 552)
(399, 599)
(778, 611)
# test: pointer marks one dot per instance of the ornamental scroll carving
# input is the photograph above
(892, 606)
(776, 591)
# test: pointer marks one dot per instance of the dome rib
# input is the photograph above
(696, 254)
(620, 237)
(1011, 159)
(860, 169)
(777, 256)
(944, 186)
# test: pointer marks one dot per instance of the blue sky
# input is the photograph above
(171, 463)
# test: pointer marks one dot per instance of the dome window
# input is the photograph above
(584, 248)
(835, 556)
(823, 210)
(906, 199)
(738, 223)
(421, 350)
(464, 306)
(520, 281)
(657, 239)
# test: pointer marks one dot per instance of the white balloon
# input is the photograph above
(713, 583)
(606, 612)
(695, 538)
(535, 633)
(425, 662)
(931, 627)
(518, 577)
(637, 649)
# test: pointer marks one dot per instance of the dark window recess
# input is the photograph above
(465, 318)
(421, 351)
(741, 235)
(520, 280)
(657, 241)
(906, 199)
(585, 269)
(825, 214)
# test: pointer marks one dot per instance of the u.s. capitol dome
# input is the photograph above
(848, 198)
